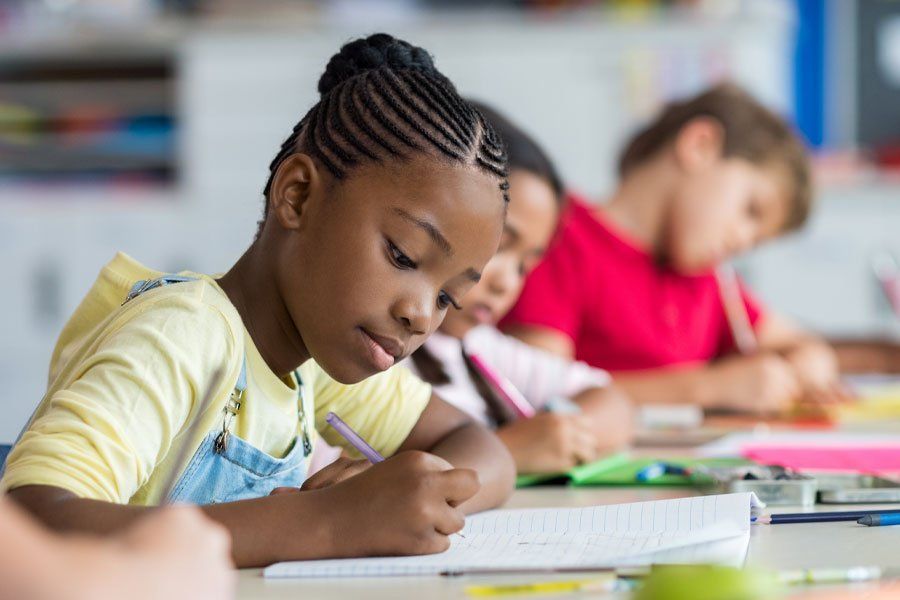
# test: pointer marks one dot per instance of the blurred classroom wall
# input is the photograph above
(148, 126)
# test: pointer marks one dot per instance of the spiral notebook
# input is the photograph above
(706, 529)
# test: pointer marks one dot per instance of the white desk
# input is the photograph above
(772, 546)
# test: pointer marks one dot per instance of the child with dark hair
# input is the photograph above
(382, 208)
(549, 441)
(631, 285)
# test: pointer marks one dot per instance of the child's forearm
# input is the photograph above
(263, 530)
(692, 385)
(867, 355)
(471, 446)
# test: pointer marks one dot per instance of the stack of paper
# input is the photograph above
(686, 530)
(813, 451)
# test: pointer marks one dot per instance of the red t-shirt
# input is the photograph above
(622, 309)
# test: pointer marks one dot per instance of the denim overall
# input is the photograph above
(226, 468)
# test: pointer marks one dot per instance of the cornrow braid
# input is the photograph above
(383, 98)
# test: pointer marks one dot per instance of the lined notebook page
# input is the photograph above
(701, 529)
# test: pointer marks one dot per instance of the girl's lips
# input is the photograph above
(380, 358)
(483, 314)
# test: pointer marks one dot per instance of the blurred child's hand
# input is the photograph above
(550, 443)
(404, 505)
(816, 366)
(341, 469)
(173, 553)
(613, 416)
(760, 384)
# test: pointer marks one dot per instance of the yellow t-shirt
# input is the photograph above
(125, 384)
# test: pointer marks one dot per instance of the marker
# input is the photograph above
(879, 520)
(354, 438)
(677, 470)
(651, 472)
(820, 517)
(504, 388)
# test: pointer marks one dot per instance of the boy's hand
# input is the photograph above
(816, 367)
(550, 443)
(404, 505)
(764, 384)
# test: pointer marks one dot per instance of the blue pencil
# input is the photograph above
(879, 520)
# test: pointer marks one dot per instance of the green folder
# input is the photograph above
(622, 470)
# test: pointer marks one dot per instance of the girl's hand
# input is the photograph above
(764, 384)
(341, 469)
(404, 505)
(550, 443)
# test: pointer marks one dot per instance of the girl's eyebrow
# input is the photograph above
(433, 232)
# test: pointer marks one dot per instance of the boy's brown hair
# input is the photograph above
(752, 132)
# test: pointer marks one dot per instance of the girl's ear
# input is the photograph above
(294, 182)
(699, 143)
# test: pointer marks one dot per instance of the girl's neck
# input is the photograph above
(250, 286)
(640, 204)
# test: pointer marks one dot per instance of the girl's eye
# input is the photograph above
(445, 300)
(401, 260)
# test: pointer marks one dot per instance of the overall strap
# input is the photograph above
(145, 285)
(233, 404)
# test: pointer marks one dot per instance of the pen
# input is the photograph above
(801, 576)
(880, 519)
(820, 517)
(561, 405)
(354, 438)
(658, 469)
(735, 310)
(504, 388)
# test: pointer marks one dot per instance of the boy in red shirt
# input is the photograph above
(630, 286)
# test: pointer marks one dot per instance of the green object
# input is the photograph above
(578, 473)
(707, 582)
(621, 470)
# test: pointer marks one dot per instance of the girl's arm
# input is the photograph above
(407, 504)
(447, 432)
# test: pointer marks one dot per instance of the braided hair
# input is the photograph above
(382, 98)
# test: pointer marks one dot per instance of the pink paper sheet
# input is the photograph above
(875, 460)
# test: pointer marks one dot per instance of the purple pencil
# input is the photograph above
(354, 438)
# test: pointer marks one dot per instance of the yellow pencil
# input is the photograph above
(607, 583)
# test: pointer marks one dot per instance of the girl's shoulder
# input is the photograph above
(116, 301)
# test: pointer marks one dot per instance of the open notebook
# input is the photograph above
(706, 529)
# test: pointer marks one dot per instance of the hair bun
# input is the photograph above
(366, 54)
